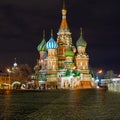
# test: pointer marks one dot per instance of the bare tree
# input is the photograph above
(22, 73)
(109, 74)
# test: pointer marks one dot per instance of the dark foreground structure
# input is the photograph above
(84, 104)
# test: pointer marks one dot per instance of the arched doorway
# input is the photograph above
(16, 85)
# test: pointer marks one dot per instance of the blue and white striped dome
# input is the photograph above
(51, 44)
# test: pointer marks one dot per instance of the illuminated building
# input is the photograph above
(4, 80)
(61, 63)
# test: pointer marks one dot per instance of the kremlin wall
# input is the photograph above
(60, 63)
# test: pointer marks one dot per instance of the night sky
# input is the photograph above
(22, 23)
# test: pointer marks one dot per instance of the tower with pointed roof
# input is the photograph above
(63, 37)
(82, 62)
(42, 51)
(69, 54)
(82, 58)
(52, 59)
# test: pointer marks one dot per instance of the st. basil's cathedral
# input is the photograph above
(61, 64)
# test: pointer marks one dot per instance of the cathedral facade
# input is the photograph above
(61, 64)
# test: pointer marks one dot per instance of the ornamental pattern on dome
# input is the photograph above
(42, 46)
(81, 41)
(51, 44)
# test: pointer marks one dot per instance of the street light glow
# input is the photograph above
(100, 71)
(8, 70)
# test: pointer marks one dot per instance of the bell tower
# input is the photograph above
(63, 37)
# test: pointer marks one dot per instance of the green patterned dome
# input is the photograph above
(81, 41)
(69, 53)
(42, 45)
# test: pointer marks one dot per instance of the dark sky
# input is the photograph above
(22, 23)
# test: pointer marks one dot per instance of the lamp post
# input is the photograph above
(9, 71)
(99, 73)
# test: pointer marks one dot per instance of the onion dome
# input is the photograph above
(51, 44)
(42, 45)
(81, 41)
(69, 52)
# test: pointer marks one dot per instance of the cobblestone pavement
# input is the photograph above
(73, 107)
(59, 105)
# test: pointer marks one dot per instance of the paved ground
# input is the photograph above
(59, 105)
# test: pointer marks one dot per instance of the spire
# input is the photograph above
(64, 11)
(15, 63)
(15, 60)
(43, 33)
(51, 32)
(64, 25)
(81, 33)
(64, 4)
